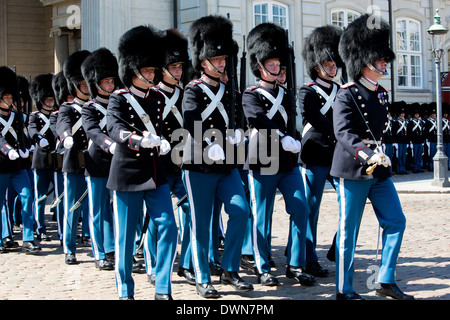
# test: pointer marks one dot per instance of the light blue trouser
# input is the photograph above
(74, 187)
(20, 181)
(42, 181)
(402, 147)
(202, 189)
(418, 153)
(314, 179)
(352, 197)
(262, 194)
(100, 217)
(58, 181)
(184, 221)
(127, 213)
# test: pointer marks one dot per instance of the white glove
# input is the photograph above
(165, 147)
(13, 155)
(216, 153)
(150, 141)
(380, 159)
(68, 142)
(236, 139)
(291, 145)
(112, 148)
(24, 154)
(43, 143)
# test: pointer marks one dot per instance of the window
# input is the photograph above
(409, 54)
(343, 17)
(270, 12)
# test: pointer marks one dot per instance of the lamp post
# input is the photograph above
(437, 30)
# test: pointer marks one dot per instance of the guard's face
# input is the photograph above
(273, 66)
(380, 64)
(176, 70)
(330, 70)
(215, 64)
(84, 88)
(49, 103)
(8, 99)
(107, 85)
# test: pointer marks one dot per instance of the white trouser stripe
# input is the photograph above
(36, 198)
(116, 244)
(342, 235)
(254, 225)
(193, 227)
(91, 220)
(66, 211)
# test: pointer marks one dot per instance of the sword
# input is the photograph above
(56, 202)
(80, 201)
(45, 196)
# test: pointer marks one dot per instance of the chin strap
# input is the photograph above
(214, 68)
(141, 77)
(103, 90)
(326, 73)
(264, 68)
(171, 75)
(371, 67)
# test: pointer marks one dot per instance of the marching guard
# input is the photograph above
(173, 73)
(401, 140)
(359, 118)
(416, 138)
(62, 95)
(137, 175)
(316, 101)
(431, 136)
(71, 134)
(42, 93)
(268, 110)
(101, 72)
(208, 158)
(12, 172)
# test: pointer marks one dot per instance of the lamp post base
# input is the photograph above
(440, 162)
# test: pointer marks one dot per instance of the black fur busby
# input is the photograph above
(266, 41)
(8, 82)
(210, 36)
(176, 47)
(60, 88)
(140, 47)
(320, 46)
(72, 70)
(24, 87)
(364, 41)
(41, 88)
(99, 65)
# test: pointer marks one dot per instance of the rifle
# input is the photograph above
(243, 82)
(79, 202)
(291, 87)
(20, 135)
(232, 80)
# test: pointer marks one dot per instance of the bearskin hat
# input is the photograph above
(140, 47)
(99, 65)
(362, 43)
(60, 88)
(176, 47)
(266, 41)
(320, 46)
(8, 82)
(24, 87)
(41, 88)
(210, 36)
(72, 70)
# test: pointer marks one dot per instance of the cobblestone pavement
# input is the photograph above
(423, 266)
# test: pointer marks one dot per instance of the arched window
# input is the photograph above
(409, 53)
(343, 17)
(270, 11)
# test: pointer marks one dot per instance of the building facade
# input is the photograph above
(40, 34)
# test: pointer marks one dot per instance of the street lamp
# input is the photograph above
(437, 30)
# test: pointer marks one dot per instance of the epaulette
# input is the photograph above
(122, 91)
(310, 84)
(347, 85)
(195, 82)
(252, 88)
(55, 112)
(35, 113)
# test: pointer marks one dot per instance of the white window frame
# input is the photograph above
(346, 13)
(270, 16)
(409, 54)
